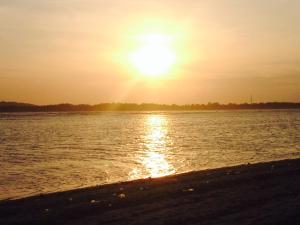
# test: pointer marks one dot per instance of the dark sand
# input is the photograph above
(265, 193)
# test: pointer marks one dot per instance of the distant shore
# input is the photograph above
(25, 107)
(263, 193)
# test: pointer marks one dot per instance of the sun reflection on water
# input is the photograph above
(155, 149)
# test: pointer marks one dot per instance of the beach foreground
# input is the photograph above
(264, 193)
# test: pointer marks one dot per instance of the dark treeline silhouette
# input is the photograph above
(24, 107)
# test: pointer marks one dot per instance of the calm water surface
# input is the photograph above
(47, 152)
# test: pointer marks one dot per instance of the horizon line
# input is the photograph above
(151, 103)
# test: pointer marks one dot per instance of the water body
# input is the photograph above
(48, 152)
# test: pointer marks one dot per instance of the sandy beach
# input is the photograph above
(264, 193)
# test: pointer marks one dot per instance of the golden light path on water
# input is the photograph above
(155, 149)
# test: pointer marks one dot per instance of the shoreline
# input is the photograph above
(63, 107)
(262, 193)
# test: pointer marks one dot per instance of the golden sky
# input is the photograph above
(92, 51)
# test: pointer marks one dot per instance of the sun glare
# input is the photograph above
(156, 150)
(154, 56)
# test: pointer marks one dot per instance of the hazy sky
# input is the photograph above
(76, 51)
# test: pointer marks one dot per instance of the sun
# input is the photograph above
(154, 55)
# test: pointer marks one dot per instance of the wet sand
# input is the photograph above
(264, 193)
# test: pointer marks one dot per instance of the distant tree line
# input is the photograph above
(24, 107)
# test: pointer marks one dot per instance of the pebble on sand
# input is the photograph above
(188, 190)
(122, 195)
(94, 201)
